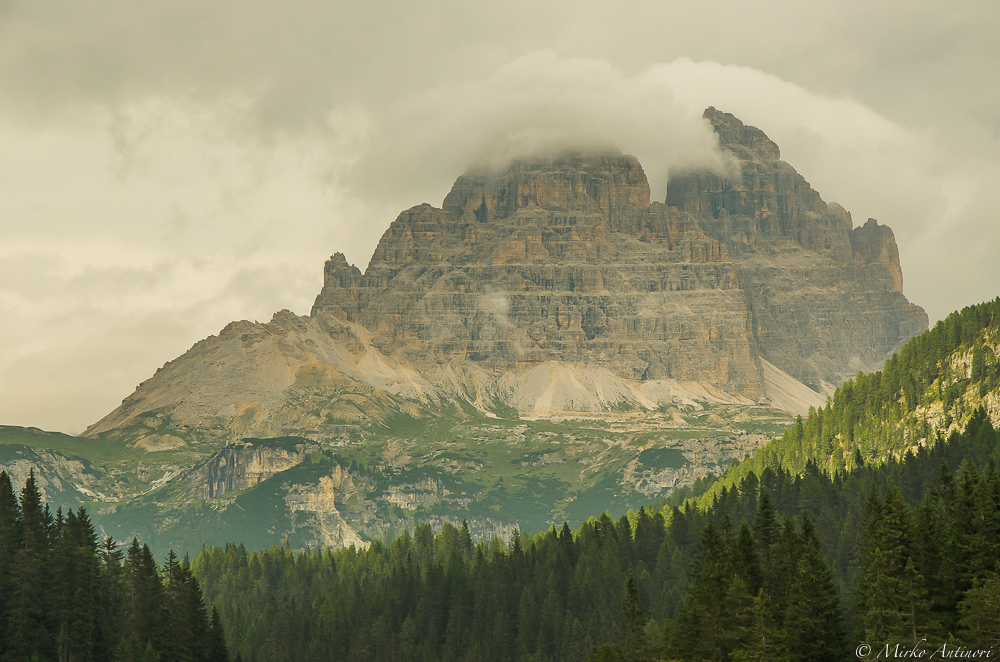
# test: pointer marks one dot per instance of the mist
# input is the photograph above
(166, 169)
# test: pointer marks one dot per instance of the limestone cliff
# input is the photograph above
(566, 260)
(826, 298)
(241, 467)
(552, 285)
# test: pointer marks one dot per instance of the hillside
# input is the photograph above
(786, 567)
(555, 286)
(926, 392)
(546, 344)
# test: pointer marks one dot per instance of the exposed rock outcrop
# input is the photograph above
(555, 284)
(566, 259)
(242, 467)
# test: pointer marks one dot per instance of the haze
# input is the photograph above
(166, 169)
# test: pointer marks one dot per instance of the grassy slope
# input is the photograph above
(929, 389)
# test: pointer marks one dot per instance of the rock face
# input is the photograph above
(826, 298)
(567, 260)
(237, 468)
(552, 260)
(555, 285)
(550, 288)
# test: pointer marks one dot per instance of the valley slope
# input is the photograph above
(547, 344)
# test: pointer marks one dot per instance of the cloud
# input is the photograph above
(537, 103)
(168, 167)
(936, 203)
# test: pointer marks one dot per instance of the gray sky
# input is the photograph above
(168, 167)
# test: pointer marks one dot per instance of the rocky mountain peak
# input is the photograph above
(874, 246)
(746, 142)
(611, 185)
(555, 285)
(563, 258)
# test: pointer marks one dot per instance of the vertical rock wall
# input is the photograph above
(566, 259)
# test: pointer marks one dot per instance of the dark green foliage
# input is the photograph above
(27, 628)
(770, 572)
(636, 641)
(813, 623)
(878, 416)
(66, 597)
(217, 650)
(10, 536)
(606, 653)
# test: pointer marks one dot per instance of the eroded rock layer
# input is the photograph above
(566, 259)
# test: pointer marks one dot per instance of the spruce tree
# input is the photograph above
(763, 639)
(709, 628)
(979, 612)
(636, 642)
(28, 634)
(217, 650)
(786, 561)
(75, 594)
(813, 621)
(10, 537)
(112, 597)
(747, 562)
(766, 531)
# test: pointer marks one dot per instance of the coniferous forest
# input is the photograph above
(844, 531)
(67, 596)
(781, 568)
(883, 413)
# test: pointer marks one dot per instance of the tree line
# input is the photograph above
(781, 567)
(911, 552)
(778, 568)
(844, 530)
(66, 596)
(881, 414)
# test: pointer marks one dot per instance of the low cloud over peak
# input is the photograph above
(221, 151)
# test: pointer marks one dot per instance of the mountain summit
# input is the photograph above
(547, 344)
(555, 285)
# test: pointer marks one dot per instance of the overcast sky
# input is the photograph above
(168, 167)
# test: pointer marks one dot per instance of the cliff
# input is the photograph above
(566, 260)
(556, 285)
(643, 345)
(826, 298)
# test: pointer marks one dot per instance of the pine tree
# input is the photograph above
(710, 626)
(636, 642)
(145, 616)
(27, 632)
(747, 562)
(893, 601)
(10, 537)
(75, 594)
(112, 597)
(766, 531)
(941, 565)
(979, 612)
(465, 542)
(878, 591)
(763, 639)
(978, 369)
(217, 650)
(813, 622)
(786, 561)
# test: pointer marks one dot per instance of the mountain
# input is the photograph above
(555, 285)
(547, 342)
(928, 392)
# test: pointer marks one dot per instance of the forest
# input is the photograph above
(66, 596)
(861, 524)
(781, 568)
(883, 413)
